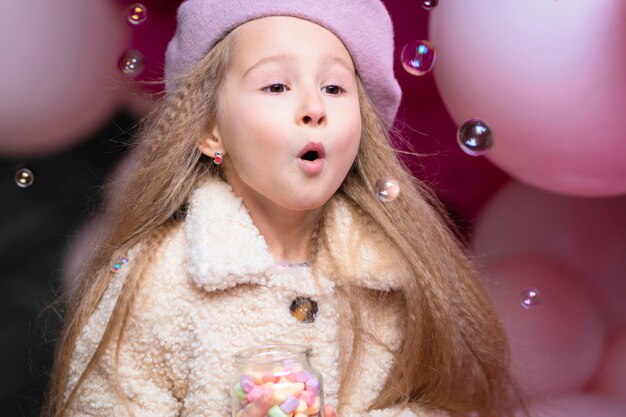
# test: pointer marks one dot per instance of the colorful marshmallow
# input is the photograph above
(294, 392)
(313, 385)
(308, 397)
(238, 392)
(256, 392)
(246, 382)
(275, 411)
(290, 404)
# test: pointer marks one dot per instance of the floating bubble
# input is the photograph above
(387, 189)
(429, 4)
(137, 14)
(530, 298)
(475, 137)
(24, 178)
(418, 57)
(132, 63)
(118, 263)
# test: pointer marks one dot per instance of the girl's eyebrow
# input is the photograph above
(332, 59)
(282, 58)
(279, 59)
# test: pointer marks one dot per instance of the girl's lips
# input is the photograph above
(311, 167)
(316, 147)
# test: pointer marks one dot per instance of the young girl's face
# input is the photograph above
(290, 110)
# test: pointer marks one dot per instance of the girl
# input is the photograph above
(254, 192)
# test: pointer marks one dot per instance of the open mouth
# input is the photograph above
(312, 151)
(310, 156)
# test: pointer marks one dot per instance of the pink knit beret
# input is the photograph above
(364, 27)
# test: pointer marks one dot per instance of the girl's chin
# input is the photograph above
(306, 203)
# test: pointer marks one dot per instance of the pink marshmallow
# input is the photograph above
(269, 377)
(256, 392)
(308, 397)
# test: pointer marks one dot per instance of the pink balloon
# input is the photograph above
(463, 183)
(549, 77)
(58, 79)
(577, 406)
(587, 235)
(611, 379)
(556, 342)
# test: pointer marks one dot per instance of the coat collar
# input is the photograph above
(224, 248)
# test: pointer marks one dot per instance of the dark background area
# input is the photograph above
(35, 226)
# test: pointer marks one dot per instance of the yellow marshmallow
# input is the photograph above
(302, 407)
(258, 377)
(280, 395)
(295, 388)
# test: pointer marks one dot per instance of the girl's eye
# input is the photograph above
(335, 89)
(280, 87)
(275, 88)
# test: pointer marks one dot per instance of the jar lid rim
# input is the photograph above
(263, 352)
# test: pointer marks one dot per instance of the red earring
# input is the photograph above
(217, 158)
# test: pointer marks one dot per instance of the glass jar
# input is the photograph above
(283, 371)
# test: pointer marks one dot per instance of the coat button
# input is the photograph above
(303, 309)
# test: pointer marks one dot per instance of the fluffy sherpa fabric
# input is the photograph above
(215, 289)
(364, 27)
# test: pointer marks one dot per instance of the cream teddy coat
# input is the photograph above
(214, 289)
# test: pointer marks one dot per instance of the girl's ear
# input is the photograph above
(211, 143)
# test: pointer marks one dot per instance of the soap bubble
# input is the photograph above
(475, 137)
(24, 178)
(132, 63)
(429, 4)
(418, 57)
(387, 189)
(119, 263)
(530, 298)
(137, 14)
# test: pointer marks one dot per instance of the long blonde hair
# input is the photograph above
(454, 354)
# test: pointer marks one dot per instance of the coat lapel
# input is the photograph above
(224, 248)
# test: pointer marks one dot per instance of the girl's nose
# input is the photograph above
(312, 111)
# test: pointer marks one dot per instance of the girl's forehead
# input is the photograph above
(288, 38)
